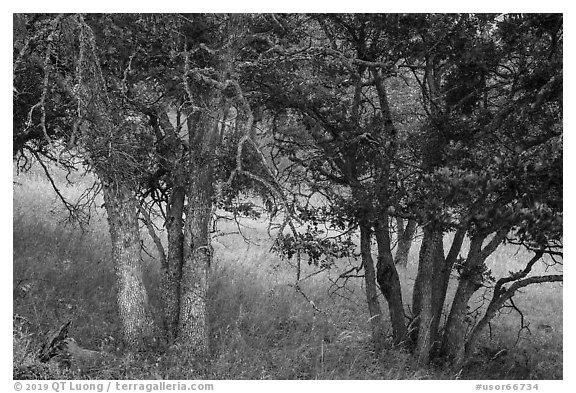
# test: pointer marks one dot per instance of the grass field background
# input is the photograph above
(261, 327)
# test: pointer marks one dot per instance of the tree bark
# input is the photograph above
(425, 302)
(417, 289)
(405, 237)
(443, 269)
(389, 282)
(371, 291)
(203, 127)
(469, 282)
(193, 327)
(172, 273)
(471, 279)
(136, 321)
(439, 288)
(450, 260)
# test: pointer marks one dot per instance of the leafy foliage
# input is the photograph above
(335, 122)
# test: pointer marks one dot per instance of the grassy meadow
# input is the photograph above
(261, 327)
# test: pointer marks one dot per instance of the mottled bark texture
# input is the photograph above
(193, 323)
(193, 328)
(136, 321)
(107, 146)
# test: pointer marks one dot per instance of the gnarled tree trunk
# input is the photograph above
(135, 318)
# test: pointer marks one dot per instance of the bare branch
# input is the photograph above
(154, 236)
(75, 213)
(523, 325)
(499, 299)
(301, 292)
(271, 185)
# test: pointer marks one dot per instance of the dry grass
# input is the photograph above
(261, 327)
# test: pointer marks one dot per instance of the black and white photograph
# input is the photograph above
(287, 196)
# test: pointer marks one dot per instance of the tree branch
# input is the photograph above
(75, 213)
(153, 235)
(493, 244)
(518, 275)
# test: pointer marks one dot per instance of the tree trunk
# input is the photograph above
(172, 273)
(472, 340)
(405, 237)
(449, 262)
(417, 289)
(469, 282)
(193, 323)
(456, 327)
(371, 291)
(389, 282)
(471, 279)
(444, 266)
(439, 288)
(136, 321)
(425, 301)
